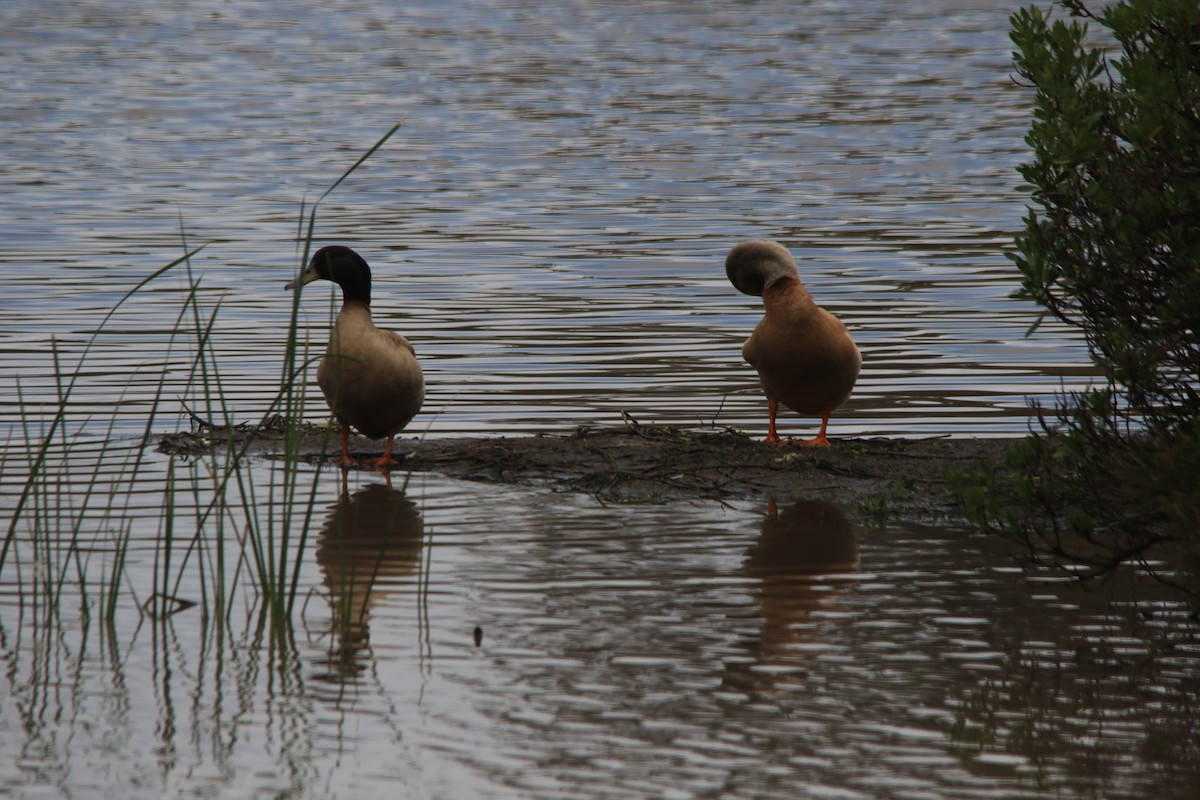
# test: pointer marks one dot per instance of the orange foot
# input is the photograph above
(819, 441)
(386, 460)
(773, 436)
(383, 461)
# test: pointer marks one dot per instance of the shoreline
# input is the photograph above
(894, 478)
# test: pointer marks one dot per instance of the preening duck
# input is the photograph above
(805, 357)
(370, 377)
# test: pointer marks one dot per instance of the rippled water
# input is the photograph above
(548, 227)
(460, 640)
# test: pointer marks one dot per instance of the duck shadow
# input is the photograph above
(371, 540)
(795, 561)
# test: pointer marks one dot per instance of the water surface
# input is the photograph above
(465, 640)
(549, 225)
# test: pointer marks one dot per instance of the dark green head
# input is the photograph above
(344, 267)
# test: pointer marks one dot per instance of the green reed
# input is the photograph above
(226, 536)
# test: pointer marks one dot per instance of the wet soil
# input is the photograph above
(907, 478)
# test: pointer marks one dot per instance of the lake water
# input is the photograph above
(548, 227)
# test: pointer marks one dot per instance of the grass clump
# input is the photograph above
(1111, 248)
(221, 535)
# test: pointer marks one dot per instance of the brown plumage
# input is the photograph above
(805, 357)
(370, 377)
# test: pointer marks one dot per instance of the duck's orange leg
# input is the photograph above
(346, 460)
(820, 439)
(386, 459)
(772, 434)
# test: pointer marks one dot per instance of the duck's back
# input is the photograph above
(805, 356)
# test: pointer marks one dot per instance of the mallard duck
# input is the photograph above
(370, 377)
(804, 355)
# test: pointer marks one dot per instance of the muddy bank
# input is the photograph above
(896, 477)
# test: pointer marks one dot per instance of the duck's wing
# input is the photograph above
(395, 339)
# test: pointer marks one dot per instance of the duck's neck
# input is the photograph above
(356, 291)
(354, 308)
(353, 322)
(787, 293)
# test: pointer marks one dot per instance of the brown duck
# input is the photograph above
(804, 355)
(370, 377)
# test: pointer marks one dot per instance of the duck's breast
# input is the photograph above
(370, 378)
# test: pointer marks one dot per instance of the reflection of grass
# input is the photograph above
(219, 536)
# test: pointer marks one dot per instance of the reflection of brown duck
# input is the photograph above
(804, 355)
(806, 540)
(370, 538)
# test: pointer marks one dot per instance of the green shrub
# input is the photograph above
(1111, 247)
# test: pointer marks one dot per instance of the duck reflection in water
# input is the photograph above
(796, 550)
(370, 540)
